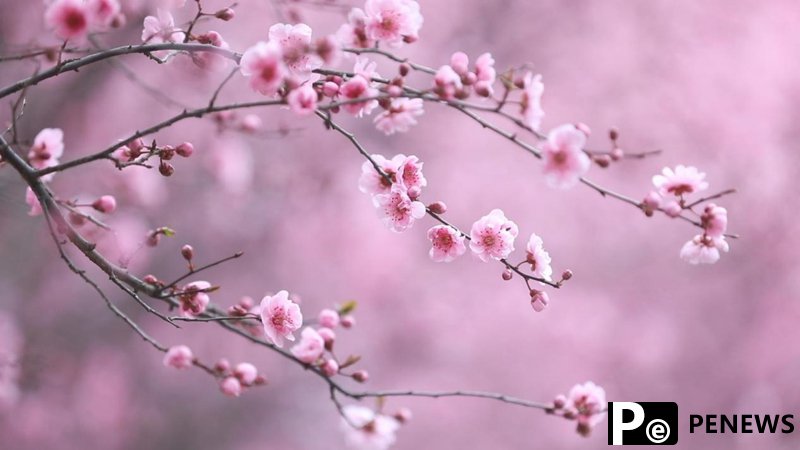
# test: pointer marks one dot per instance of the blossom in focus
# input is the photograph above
(357, 88)
(531, 103)
(310, 347)
(398, 210)
(69, 19)
(179, 357)
(365, 429)
(400, 116)
(446, 243)
(587, 401)
(280, 317)
(704, 249)
(680, 181)
(538, 258)
(194, 299)
(393, 21)
(564, 159)
(294, 42)
(492, 236)
(262, 64)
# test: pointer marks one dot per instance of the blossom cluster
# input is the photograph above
(74, 19)
(585, 404)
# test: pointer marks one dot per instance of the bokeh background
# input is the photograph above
(713, 83)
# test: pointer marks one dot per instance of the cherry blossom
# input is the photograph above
(393, 21)
(262, 64)
(246, 373)
(33, 202)
(105, 204)
(714, 220)
(680, 181)
(531, 103)
(365, 429)
(486, 74)
(295, 45)
(330, 368)
(353, 34)
(194, 300)
(538, 258)
(328, 318)
(231, 386)
(587, 402)
(564, 159)
(357, 88)
(310, 347)
(48, 146)
(69, 19)
(400, 116)
(302, 100)
(492, 236)
(179, 357)
(102, 12)
(446, 82)
(280, 317)
(209, 60)
(447, 243)
(399, 212)
(704, 249)
(371, 182)
(161, 28)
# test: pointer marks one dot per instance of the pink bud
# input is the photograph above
(507, 275)
(672, 209)
(330, 89)
(150, 279)
(166, 169)
(222, 366)
(652, 201)
(460, 63)
(613, 133)
(136, 145)
(361, 376)
(570, 413)
(260, 380)
(470, 79)
(246, 373)
(76, 219)
(602, 160)
(186, 149)
(328, 336)
(404, 69)
(328, 318)
(414, 192)
(348, 321)
(584, 128)
(566, 275)
(438, 207)
(251, 123)
(187, 252)
(617, 154)
(394, 91)
(105, 204)
(403, 415)
(330, 368)
(179, 357)
(225, 14)
(231, 387)
(539, 300)
(246, 302)
(483, 88)
(559, 401)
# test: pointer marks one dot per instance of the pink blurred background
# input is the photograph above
(713, 83)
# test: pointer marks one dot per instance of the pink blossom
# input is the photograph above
(179, 357)
(672, 209)
(69, 19)
(398, 210)
(231, 387)
(400, 116)
(353, 34)
(327, 335)
(532, 90)
(365, 429)
(194, 300)
(539, 300)
(486, 74)
(371, 182)
(48, 146)
(447, 243)
(161, 29)
(280, 317)
(33, 202)
(564, 159)
(357, 88)
(209, 60)
(492, 236)
(446, 82)
(330, 368)
(704, 249)
(262, 64)
(682, 180)
(102, 12)
(366, 68)
(302, 100)
(409, 172)
(295, 45)
(310, 347)
(715, 220)
(587, 400)
(246, 373)
(459, 62)
(328, 318)
(393, 21)
(538, 258)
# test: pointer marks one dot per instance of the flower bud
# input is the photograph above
(328, 318)
(330, 368)
(507, 275)
(566, 275)
(348, 321)
(330, 89)
(225, 14)
(361, 376)
(672, 209)
(105, 204)
(404, 69)
(328, 336)
(403, 415)
(150, 279)
(136, 145)
(613, 133)
(187, 252)
(560, 401)
(76, 219)
(166, 169)
(167, 152)
(602, 160)
(246, 373)
(231, 387)
(185, 150)
(584, 128)
(438, 207)
(222, 366)
(539, 300)
(617, 154)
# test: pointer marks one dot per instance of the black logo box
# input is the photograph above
(656, 413)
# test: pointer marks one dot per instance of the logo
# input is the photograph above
(642, 423)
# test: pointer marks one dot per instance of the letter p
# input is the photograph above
(618, 426)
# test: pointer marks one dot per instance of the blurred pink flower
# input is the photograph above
(102, 12)
(447, 82)
(48, 146)
(280, 317)
(194, 301)
(69, 19)
(459, 62)
(398, 210)
(328, 318)
(356, 88)
(532, 90)
(393, 21)
(539, 300)
(295, 45)
(161, 29)
(587, 401)
(564, 159)
(330, 368)
(492, 236)
(538, 258)
(208, 60)
(353, 34)
(302, 100)
(447, 243)
(366, 430)
(486, 74)
(105, 204)
(179, 357)
(246, 373)
(262, 64)
(33, 202)
(682, 180)
(231, 387)
(715, 220)
(310, 347)
(704, 249)
(400, 116)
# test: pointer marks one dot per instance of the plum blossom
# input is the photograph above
(358, 87)
(48, 146)
(353, 34)
(447, 243)
(365, 429)
(161, 28)
(680, 181)
(371, 182)
(231, 386)
(310, 347)
(539, 300)
(179, 357)
(564, 159)
(33, 202)
(194, 299)
(328, 318)
(538, 258)
(69, 19)
(587, 401)
(393, 21)
(714, 220)
(246, 373)
(262, 64)
(302, 100)
(209, 60)
(294, 42)
(531, 104)
(400, 116)
(446, 82)
(280, 317)
(704, 249)
(102, 12)
(398, 210)
(486, 74)
(492, 236)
